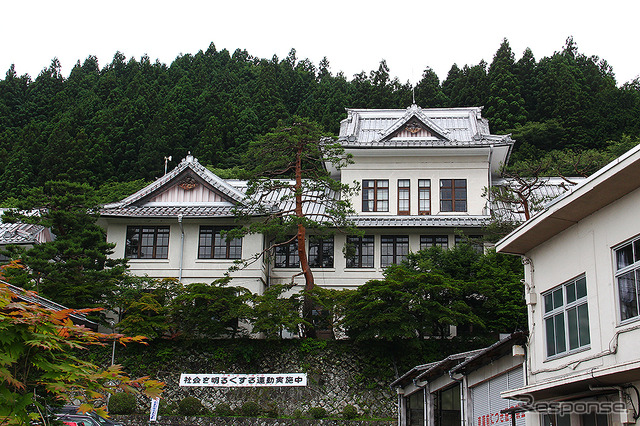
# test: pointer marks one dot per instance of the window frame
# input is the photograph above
(458, 194)
(424, 244)
(218, 242)
(289, 252)
(630, 267)
(558, 313)
(323, 243)
(422, 190)
(375, 187)
(395, 243)
(357, 260)
(162, 231)
(404, 191)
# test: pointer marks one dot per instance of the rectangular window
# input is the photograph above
(427, 241)
(360, 252)
(321, 252)
(475, 241)
(424, 196)
(375, 195)
(213, 244)
(147, 242)
(566, 317)
(287, 255)
(404, 196)
(394, 249)
(627, 259)
(453, 195)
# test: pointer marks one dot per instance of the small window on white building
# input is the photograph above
(566, 317)
(627, 266)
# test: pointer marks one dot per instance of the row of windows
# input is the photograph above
(152, 242)
(394, 249)
(566, 313)
(453, 195)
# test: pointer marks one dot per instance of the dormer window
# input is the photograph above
(375, 195)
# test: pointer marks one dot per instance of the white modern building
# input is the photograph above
(582, 285)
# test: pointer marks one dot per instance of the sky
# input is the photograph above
(354, 35)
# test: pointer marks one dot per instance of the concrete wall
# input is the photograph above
(586, 248)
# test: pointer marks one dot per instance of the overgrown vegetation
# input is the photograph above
(116, 123)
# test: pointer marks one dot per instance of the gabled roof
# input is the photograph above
(189, 189)
(413, 121)
(417, 127)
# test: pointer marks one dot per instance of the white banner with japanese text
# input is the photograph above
(244, 380)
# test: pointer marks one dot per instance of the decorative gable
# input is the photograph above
(188, 189)
(414, 128)
(414, 124)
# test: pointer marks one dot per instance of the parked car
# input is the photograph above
(69, 413)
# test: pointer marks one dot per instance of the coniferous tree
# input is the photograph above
(505, 105)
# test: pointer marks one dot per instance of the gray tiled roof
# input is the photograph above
(32, 297)
(169, 211)
(19, 233)
(188, 163)
(543, 191)
(420, 221)
(454, 127)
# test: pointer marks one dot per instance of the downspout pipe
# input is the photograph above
(181, 247)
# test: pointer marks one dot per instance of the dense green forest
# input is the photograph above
(118, 123)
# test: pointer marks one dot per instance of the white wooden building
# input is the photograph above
(422, 173)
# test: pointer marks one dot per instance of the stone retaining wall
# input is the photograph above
(244, 421)
(335, 379)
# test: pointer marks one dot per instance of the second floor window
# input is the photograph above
(566, 317)
(321, 252)
(213, 244)
(287, 255)
(628, 278)
(394, 249)
(453, 195)
(147, 242)
(404, 196)
(360, 252)
(375, 195)
(427, 241)
(424, 196)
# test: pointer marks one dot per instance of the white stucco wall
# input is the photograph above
(586, 248)
(385, 165)
(193, 269)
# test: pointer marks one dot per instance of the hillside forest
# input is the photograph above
(117, 123)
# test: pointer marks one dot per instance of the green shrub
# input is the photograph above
(167, 409)
(349, 412)
(250, 409)
(190, 406)
(223, 410)
(271, 410)
(122, 403)
(297, 414)
(317, 412)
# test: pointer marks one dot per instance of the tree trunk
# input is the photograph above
(307, 307)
